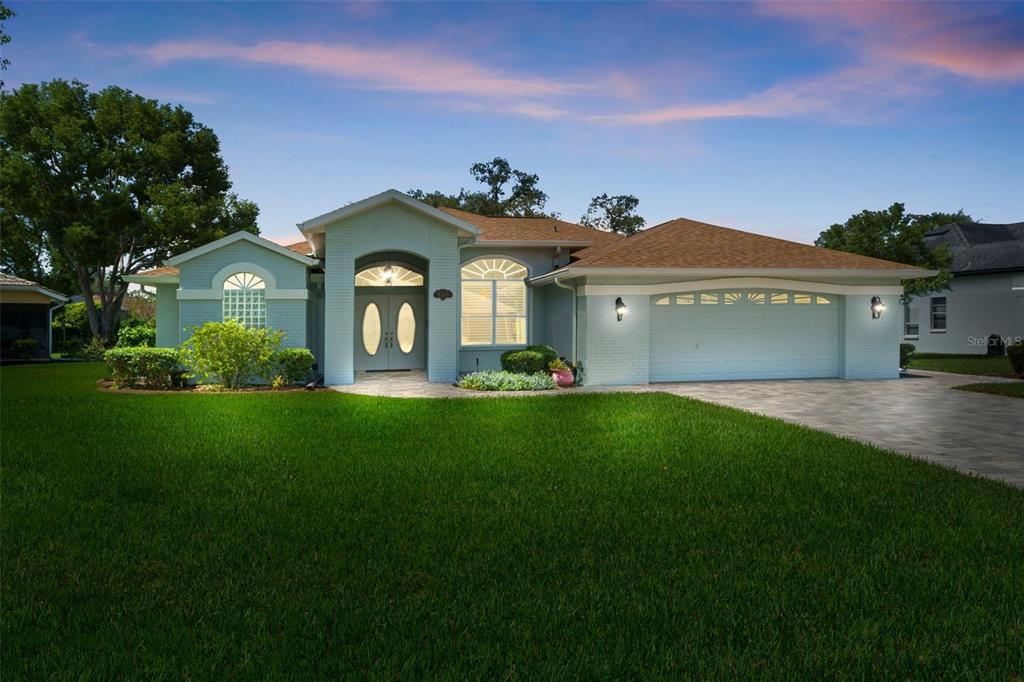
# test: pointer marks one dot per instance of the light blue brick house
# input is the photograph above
(391, 284)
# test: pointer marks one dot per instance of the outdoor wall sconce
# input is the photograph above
(620, 309)
(389, 274)
(877, 307)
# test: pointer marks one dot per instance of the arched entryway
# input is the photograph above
(390, 312)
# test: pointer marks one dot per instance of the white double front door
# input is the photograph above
(389, 331)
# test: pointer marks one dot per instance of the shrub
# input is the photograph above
(230, 353)
(557, 365)
(506, 381)
(907, 351)
(1015, 353)
(136, 332)
(523, 362)
(290, 365)
(142, 366)
(94, 350)
(24, 348)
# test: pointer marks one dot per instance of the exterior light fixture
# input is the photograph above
(620, 309)
(389, 274)
(877, 307)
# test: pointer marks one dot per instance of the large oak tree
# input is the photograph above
(894, 234)
(101, 185)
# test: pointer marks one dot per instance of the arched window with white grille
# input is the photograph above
(493, 303)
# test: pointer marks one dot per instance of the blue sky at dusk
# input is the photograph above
(780, 118)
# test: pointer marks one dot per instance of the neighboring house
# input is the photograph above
(390, 283)
(26, 312)
(986, 296)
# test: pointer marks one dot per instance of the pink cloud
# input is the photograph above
(851, 95)
(974, 40)
(395, 68)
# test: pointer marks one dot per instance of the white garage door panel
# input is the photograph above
(744, 341)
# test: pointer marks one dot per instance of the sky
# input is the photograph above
(775, 117)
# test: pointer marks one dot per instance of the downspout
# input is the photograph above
(49, 329)
(559, 284)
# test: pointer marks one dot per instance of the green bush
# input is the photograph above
(93, 350)
(135, 332)
(71, 324)
(907, 351)
(24, 348)
(142, 366)
(291, 365)
(230, 353)
(523, 362)
(506, 381)
(1015, 353)
(548, 353)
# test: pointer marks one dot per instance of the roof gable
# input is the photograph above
(169, 274)
(684, 243)
(319, 223)
(236, 237)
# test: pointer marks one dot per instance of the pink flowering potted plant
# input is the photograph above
(561, 373)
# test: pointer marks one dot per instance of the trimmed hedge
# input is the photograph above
(523, 362)
(294, 365)
(536, 359)
(907, 351)
(506, 381)
(142, 366)
(1015, 353)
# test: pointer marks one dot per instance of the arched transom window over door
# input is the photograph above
(493, 303)
(245, 299)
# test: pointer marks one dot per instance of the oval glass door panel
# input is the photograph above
(371, 329)
(406, 331)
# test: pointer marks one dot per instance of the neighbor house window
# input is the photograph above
(938, 314)
(245, 299)
(910, 325)
(493, 303)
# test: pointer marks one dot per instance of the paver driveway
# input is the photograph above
(919, 415)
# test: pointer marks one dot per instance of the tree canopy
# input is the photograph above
(101, 185)
(509, 192)
(894, 234)
(614, 214)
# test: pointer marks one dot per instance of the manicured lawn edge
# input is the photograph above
(1010, 389)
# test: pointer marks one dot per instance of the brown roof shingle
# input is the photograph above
(531, 229)
(683, 243)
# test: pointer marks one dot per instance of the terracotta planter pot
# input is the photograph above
(562, 377)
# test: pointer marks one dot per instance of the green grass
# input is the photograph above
(1013, 389)
(589, 535)
(984, 365)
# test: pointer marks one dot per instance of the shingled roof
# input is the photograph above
(981, 247)
(684, 243)
(494, 228)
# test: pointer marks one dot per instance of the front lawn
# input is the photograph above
(1013, 389)
(984, 365)
(589, 535)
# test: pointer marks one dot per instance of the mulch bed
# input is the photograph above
(107, 386)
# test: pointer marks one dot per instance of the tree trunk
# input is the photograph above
(87, 298)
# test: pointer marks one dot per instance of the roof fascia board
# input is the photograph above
(152, 279)
(239, 236)
(739, 282)
(895, 274)
(35, 288)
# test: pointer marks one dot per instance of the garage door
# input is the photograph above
(720, 335)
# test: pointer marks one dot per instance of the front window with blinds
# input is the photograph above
(493, 303)
(245, 299)
(938, 313)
